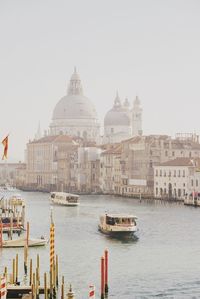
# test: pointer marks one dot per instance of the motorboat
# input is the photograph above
(21, 242)
(64, 199)
(16, 200)
(118, 224)
(192, 199)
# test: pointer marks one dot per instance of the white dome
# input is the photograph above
(74, 107)
(118, 115)
(74, 114)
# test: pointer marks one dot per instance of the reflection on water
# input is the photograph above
(161, 261)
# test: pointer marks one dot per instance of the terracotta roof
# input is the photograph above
(117, 149)
(57, 139)
(182, 162)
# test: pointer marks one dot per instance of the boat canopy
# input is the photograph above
(121, 216)
(64, 195)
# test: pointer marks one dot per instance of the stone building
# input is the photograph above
(8, 173)
(89, 169)
(177, 178)
(52, 163)
(110, 169)
(141, 153)
(75, 114)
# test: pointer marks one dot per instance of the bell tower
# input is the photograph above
(136, 118)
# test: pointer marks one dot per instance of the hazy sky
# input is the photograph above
(145, 47)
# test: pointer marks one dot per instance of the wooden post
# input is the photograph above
(37, 284)
(31, 273)
(51, 284)
(27, 234)
(106, 271)
(63, 288)
(6, 273)
(54, 280)
(34, 286)
(1, 234)
(16, 276)
(25, 259)
(70, 294)
(102, 278)
(45, 286)
(11, 227)
(13, 274)
(38, 267)
(57, 270)
(23, 216)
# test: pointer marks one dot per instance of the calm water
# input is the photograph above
(163, 263)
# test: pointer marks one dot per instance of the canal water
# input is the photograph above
(164, 262)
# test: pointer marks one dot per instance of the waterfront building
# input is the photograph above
(75, 114)
(122, 122)
(52, 163)
(88, 170)
(110, 169)
(8, 173)
(141, 153)
(177, 178)
(20, 180)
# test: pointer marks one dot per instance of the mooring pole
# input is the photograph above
(102, 278)
(106, 271)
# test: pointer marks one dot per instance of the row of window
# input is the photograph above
(193, 183)
(175, 173)
(165, 184)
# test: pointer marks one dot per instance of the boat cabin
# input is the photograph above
(121, 220)
(64, 198)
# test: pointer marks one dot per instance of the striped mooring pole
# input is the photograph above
(3, 290)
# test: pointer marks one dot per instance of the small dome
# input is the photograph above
(126, 103)
(117, 116)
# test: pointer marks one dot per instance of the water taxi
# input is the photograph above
(64, 199)
(118, 224)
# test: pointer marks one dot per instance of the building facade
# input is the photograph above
(52, 163)
(177, 178)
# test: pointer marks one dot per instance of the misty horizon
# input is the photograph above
(146, 48)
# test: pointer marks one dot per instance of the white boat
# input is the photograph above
(21, 242)
(16, 200)
(192, 199)
(118, 224)
(65, 199)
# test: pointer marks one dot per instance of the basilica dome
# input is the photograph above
(74, 105)
(75, 114)
(118, 115)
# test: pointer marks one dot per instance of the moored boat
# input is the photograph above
(64, 199)
(21, 242)
(118, 225)
(16, 200)
(192, 199)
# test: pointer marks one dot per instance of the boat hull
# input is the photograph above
(67, 204)
(22, 243)
(117, 233)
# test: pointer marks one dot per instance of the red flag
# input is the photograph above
(92, 291)
(5, 144)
